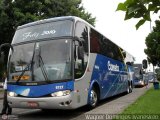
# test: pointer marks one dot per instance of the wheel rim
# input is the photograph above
(93, 98)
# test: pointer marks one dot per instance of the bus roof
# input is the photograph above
(74, 18)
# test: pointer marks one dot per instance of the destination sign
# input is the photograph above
(43, 31)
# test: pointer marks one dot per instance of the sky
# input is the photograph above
(111, 24)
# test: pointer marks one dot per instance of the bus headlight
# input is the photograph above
(61, 93)
(12, 94)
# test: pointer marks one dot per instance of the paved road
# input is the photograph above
(112, 105)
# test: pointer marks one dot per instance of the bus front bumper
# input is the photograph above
(63, 102)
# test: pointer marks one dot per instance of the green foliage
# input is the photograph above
(153, 45)
(157, 70)
(139, 9)
(122, 7)
(141, 22)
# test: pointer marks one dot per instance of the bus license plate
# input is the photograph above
(33, 104)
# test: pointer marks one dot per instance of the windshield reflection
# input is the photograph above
(51, 60)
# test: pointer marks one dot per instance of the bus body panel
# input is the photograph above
(111, 76)
(41, 95)
(40, 90)
(83, 85)
(64, 102)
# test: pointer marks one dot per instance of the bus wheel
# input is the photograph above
(93, 98)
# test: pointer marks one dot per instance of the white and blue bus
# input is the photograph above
(64, 63)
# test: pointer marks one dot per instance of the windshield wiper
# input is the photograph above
(30, 63)
(43, 68)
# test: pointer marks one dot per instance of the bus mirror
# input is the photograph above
(145, 64)
(80, 52)
(6, 45)
(2, 57)
(128, 63)
(141, 72)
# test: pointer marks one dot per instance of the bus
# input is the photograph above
(140, 76)
(65, 63)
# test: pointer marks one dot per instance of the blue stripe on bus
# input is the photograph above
(40, 90)
(111, 76)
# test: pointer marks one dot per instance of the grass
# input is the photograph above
(147, 104)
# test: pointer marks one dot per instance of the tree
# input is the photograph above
(139, 9)
(153, 45)
(157, 70)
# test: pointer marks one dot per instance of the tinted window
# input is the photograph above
(102, 45)
(94, 41)
(82, 32)
(107, 48)
(81, 64)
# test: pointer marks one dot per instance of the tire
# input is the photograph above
(93, 98)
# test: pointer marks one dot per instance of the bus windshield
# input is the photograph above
(51, 60)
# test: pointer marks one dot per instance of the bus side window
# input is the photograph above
(94, 41)
(81, 64)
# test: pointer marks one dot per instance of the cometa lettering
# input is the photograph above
(112, 67)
